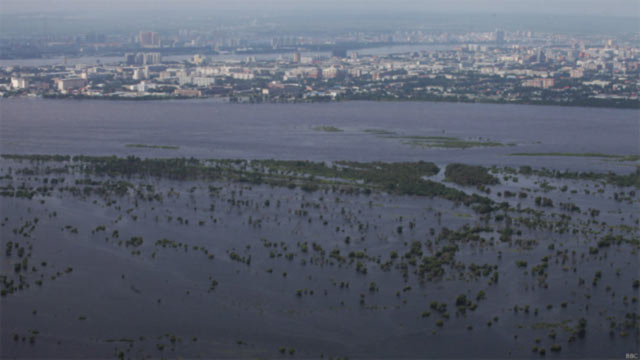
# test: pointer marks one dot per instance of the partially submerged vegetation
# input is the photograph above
(327, 129)
(395, 178)
(145, 146)
(338, 237)
(588, 155)
(469, 175)
(379, 132)
(631, 179)
(434, 141)
(445, 142)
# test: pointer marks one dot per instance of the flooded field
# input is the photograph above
(182, 251)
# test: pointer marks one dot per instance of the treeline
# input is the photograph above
(579, 102)
(115, 97)
(404, 178)
(629, 180)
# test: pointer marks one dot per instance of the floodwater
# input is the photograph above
(115, 300)
(209, 129)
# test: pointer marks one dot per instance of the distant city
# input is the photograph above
(499, 66)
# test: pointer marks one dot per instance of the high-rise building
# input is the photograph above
(151, 59)
(149, 39)
(130, 59)
(499, 36)
(142, 58)
(296, 57)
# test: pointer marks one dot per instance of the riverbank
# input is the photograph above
(586, 103)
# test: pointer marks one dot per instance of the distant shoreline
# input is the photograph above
(590, 103)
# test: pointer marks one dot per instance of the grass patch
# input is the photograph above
(379, 132)
(145, 146)
(430, 138)
(433, 141)
(593, 155)
(445, 142)
(464, 216)
(564, 325)
(327, 129)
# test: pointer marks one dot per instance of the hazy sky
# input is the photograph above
(627, 8)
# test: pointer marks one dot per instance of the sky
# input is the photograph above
(616, 8)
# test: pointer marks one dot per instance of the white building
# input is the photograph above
(142, 87)
(243, 75)
(330, 72)
(19, 83)
(577, 73)
(139, 74)
(64, 85)
(203, 81)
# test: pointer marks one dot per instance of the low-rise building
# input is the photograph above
(544, 83)
(65, 85)
(187, 92)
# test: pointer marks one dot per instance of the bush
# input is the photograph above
(469, 175)
(461, 300)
